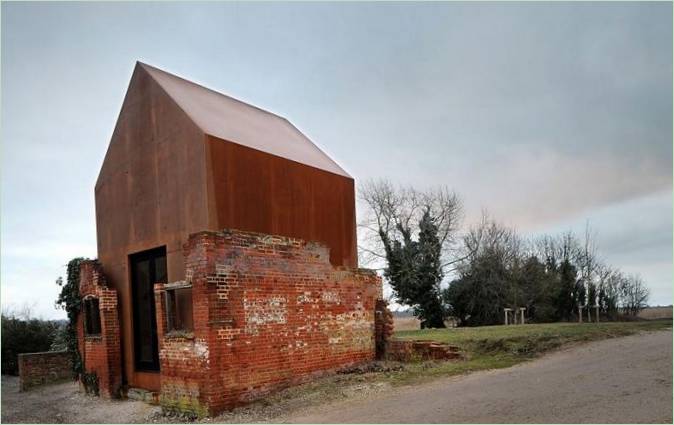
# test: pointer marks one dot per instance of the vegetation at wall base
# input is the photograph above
(90, 383)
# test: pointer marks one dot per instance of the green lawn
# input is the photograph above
(491, 347)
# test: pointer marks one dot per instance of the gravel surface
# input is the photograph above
(622, 380)
(63, 403)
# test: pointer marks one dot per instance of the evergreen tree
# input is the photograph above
(566, 298)
(414, 271)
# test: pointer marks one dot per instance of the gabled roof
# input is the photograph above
(238, 122)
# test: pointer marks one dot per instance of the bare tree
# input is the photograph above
(391, 212)
(634, 294)
(588, 265)
(499, 240)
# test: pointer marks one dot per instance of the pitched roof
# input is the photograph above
(238, 122)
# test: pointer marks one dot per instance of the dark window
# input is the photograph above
(179, 309)
(92, 317)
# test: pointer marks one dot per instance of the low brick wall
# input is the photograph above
(43, 368)
(412, 350)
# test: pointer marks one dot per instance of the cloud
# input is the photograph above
(542, 113)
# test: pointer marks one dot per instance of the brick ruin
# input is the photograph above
(101, 352)
(268, 312)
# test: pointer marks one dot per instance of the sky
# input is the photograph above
(546, 114)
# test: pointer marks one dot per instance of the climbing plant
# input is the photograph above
(90, 382)
(69, 300)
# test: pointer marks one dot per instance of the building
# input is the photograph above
(227, 261)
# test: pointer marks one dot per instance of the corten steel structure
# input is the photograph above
(184, 159)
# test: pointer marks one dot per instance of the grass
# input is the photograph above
(493, 347)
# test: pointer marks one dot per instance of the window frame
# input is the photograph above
(172, 306)
(92, 322)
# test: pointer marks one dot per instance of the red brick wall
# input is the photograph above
(269, 312)
(417, 350)
(383, 327)
(42, 368)
(102, 353)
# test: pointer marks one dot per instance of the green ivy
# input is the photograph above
(90, 382)
(69, 299)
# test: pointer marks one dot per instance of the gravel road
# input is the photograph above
(622, 380)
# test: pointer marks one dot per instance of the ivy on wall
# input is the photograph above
(69, 299)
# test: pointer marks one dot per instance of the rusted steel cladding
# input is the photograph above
(151, 192)
(164, 178)
(259, 192)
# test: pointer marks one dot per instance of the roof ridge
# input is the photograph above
(228, 118)
(154, 68)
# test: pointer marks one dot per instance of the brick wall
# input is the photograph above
(43, 368)
(101, 354)
(419, 350)
(268, 312)
(383, 327)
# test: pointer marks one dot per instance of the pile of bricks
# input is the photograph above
(414, 350)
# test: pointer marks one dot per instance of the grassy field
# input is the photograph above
(491, 347)
(651, 313)
(406, 323)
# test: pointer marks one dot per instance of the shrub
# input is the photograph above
(24, 335)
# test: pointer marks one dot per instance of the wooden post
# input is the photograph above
(522, 315)
(506, 310)
(596, 310)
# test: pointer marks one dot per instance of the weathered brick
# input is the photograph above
(269, 312)
(101, 354)
(43, 368)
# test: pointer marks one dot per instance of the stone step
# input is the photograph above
(141, 394)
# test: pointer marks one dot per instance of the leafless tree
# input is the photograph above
(499, 240)
(556, 249)
(634, 294)
(390, 211)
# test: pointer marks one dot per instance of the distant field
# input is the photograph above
(410, 323)
(406, 323)
(655, 313)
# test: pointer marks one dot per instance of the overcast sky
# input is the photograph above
(547, 114)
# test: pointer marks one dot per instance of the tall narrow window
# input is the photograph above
(92, 317)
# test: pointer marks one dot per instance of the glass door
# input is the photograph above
(147, 268)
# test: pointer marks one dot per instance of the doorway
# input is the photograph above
(147, 268)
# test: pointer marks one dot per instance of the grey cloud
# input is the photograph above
(540, 112)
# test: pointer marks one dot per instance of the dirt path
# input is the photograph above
(63, 403)
(623, 380)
